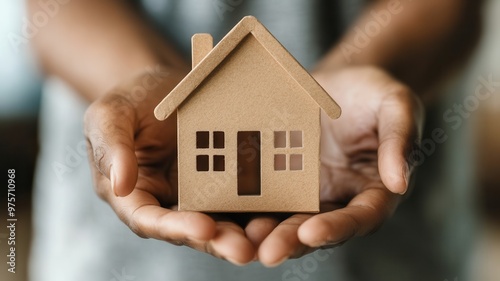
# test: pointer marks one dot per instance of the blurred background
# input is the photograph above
(456, 200)
(20, 88)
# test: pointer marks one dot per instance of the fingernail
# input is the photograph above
(406, 175)
(279, 262)
(112, 178)
(331, 245)
(236, 262)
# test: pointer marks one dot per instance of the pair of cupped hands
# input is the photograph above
(364, 169)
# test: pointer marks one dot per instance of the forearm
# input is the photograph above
(95, 44)
(420, 41)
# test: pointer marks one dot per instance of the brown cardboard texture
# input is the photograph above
(248, 126)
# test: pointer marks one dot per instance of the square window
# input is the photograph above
(218, 139)
(295, 162)
(279, 139)
(219, 163)
(201, 163)
(295, 139)
(202, 139)
(279, 162)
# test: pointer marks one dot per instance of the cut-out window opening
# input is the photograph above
(280, 162)
(295, 162)
(204, 143)
(202, 139)
(218, 140)
(219, 163)
(288, 145)
(201, 163)
(279, 139)
(295, 139)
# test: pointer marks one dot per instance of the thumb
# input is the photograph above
(109, 128)
(400, 122)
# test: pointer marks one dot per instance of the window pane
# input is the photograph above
(295, 162)
(219, 163)
(218, 139)
(279, 162)
(295, 138)
(201, 163)
(202, 139)
(279, 139)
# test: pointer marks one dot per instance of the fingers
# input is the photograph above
(362, 216)
(231, 244)
(283, 242)
(145, 217)
(400, 122)
(109, 128)
(301, 233)
(141, 212)
(259, 228)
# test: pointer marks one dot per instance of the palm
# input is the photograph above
(362, 157)
(155, 149)
(135, 158)
(349, 161)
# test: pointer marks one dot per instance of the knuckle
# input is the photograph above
(133, 224)
(119, 104)
(108, 108)
(138, 232)
(99, 156)
(401, 95)
(406, 98)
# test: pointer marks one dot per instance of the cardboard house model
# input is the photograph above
(248, 117)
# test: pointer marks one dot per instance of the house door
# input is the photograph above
(249, 164)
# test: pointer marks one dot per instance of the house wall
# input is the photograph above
(249, 91)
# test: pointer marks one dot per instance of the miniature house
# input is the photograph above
(248, 126)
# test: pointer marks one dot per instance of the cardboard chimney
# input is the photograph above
(248, 126)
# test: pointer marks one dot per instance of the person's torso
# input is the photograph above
(305, 28)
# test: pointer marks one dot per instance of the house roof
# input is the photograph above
(248, 25)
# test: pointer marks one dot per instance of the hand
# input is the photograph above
(364, 163)
(133, 158)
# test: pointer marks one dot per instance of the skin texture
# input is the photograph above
(364, 167)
